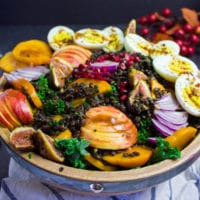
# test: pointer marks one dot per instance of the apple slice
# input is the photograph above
(7, 113)
(108, 128)
(84, 51)
(18, 103)
(5, 123)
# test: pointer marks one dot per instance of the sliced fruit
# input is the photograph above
(74, 48)
(135, 156)
(22, 138)
(99, 164)
(66, 134)
(103, 86)
(45, 145)
(135, 76)
(7, 113)
(131, 28)
(33, 52)
(108, 128)
(24, 85)
(19, 105)
(9, 63)
(5, 123)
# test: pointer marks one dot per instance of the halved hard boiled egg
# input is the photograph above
(165, 47)
(60, 36)
(116, 39)
(137, 44)
(187, 90)
(170, 67)
(91, 38)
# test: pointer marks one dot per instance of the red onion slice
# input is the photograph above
(167, 102)
(175, 117)
(161, 128)
(170, 124)
(110, 66)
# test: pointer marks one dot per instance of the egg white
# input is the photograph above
(136, 43)
(182, 82)
(87, 44)
(54, 31)
(165, 47)
(117, 32)
(161, 66)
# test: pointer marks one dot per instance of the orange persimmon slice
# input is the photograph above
(33, 52)
(25, 86)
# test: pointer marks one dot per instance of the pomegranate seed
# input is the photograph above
(162, 28)
(137, 59)
(122, 66)
(152, 18)
(123, 97)
(144, 31)
(142, 20)
(187, 28)
(103, 70)
(130, 63)
(184, 50)
(166, 12)
(123, 83)
(194, 39)
(191, 51)
(116, 58)
(169, 23)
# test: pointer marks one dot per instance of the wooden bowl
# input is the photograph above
(99, 182)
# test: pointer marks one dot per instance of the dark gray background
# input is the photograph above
(27, 19)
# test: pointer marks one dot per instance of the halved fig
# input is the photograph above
(22, 138)
(45, 145)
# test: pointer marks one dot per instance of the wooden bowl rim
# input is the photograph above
(191, 152)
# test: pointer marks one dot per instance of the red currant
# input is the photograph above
(162, 28)
(184, 50)
(142, 20)
(194, 38)
(187, 28)
(179, 42)
(152, 18)
(166, 12)
(144, 31)
(191, 51)
(180, 33)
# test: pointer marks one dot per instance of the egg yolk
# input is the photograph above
(180, 66)
(191, 95)
(62, 37)
(114, 43)
(163, 49)
(91, 36)
(144, 46)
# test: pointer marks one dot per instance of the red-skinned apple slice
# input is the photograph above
(84, 51)
(7, 113)
(19, 105)
(71, 59)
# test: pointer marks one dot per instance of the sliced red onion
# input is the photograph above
(170, 125)
(152, 140)
(165, 131)
(167, 102)
(110, 66)
(175, 117)
(28, 73)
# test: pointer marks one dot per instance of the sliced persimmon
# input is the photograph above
(24, 85)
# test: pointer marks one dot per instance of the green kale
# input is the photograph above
(164, 151)
(144, 130)
(56, 106)
(74, 150)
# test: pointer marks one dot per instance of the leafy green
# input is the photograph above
(74, 150)
(56, 106)
(164, 151)
(43, 89)
(144, 130)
